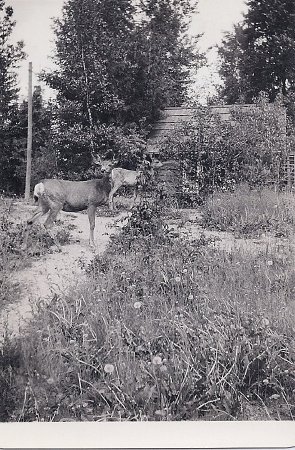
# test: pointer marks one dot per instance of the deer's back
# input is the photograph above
(78, 195)
(125, 177)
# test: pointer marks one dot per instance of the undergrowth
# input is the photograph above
(250, 213)
(12, 257)
(164, 329)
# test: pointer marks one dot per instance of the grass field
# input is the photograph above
(166, 327)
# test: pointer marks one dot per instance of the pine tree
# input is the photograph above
(10, 55)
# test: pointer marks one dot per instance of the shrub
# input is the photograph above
(218, 154)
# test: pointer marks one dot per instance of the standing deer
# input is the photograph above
(54, 195)
(123, 177)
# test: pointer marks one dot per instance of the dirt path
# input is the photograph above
(56, 271)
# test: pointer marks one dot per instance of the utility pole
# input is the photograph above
(29, 139)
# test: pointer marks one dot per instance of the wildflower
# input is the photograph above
(274, 397)
(265, 381)
(184, 271)
(163, 368)
(157, 360)
(265, 322)
(269, 263)
(50, 380)
(191, 297)
(109, 368)
(177, 279)
(137, 305)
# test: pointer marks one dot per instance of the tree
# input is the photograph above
(263, 49)
(43, 149)
(92, 41)
(164, 57)
(117, 66)
(231, 69)
(10, 55)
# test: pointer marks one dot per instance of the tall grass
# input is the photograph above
(250, 213)
(165, 329)
(10, 242)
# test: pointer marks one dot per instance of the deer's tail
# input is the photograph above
(38, 191)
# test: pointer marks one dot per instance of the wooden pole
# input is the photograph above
(29, 139)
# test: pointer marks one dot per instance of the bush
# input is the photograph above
(76, 146)
(218, 154)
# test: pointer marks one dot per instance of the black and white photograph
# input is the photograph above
(147, 211)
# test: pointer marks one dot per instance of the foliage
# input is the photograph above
(166, 57)
(15, 141)
(174, 331)
(117, 66)
(74, 161)
(9, 243)
(231, 53)
(218, 154)
(44, 164)
(258, 56)
(10, 55)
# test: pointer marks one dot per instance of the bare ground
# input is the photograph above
(266, 243)
(55, 272)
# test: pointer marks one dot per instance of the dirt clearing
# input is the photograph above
(54, 272)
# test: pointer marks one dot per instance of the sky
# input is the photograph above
(34, 27)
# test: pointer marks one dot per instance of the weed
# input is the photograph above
(164, 329)
(186, 332)
(11, 240)
(250, 213)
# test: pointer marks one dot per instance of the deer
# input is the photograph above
(54, 195)
(124, 177)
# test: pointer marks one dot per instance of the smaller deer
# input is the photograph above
(54, 195)
(123, 177)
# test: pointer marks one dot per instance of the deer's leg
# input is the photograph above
(111, 195)
(41, 210)
(54, 210)
(91, 216)
(135, 195)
